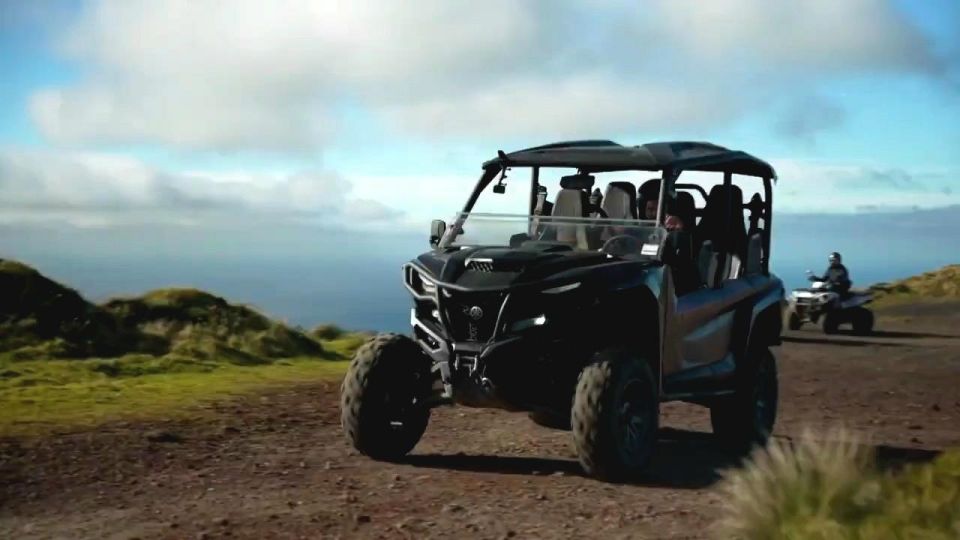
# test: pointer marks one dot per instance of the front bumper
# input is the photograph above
(511, 372)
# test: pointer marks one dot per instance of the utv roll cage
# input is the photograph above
(669, 158)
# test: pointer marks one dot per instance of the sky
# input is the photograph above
(215, 128)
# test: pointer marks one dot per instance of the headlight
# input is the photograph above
(562, 288)
(532, 322)
(428, 286)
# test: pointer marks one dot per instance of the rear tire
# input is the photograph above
(747, 418)
(382, 398)
(862, 321)
(831, 322)
(615, 416)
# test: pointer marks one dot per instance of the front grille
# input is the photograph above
(472, 317)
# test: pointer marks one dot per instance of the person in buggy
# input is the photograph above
(836, 277)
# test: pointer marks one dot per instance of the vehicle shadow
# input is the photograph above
(684, 460)
(793, 338)
(910, 335)
(893, 457)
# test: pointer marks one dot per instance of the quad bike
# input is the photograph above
(572, 316)
(820, 303)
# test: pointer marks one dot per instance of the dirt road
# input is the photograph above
(277, 466)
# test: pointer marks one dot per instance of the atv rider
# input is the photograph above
(836, 277)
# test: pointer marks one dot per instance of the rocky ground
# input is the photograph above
(277, 466)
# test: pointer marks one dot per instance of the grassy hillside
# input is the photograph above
(939, 285)
(66, 361)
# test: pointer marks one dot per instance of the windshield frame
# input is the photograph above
(640, 235)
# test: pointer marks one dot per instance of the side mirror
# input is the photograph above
(437, 228)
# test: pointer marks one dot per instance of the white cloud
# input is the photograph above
(574, 106)
(809, 35)
(249, 75)
(95, 190)
(811, 186)
(103, 190)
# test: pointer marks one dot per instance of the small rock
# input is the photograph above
(559, 473)
(936, 407)
(396, 478)
(163, 436)
(452, 508)
(203, 535)
(361, 519)
(327, 466)
(223, 522)
(541, 497)
(915, 440)
(915, 427)
(303, 465)
(174, 525)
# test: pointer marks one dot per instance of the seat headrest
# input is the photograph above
(570, 203)
(649, 189)
(685, 208)
(577, 181)
(619, 201)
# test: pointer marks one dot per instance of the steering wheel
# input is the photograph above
(621, 245)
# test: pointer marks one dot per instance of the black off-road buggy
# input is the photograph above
(588, 317)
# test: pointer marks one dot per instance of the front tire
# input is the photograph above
(793, 320)
(382, 399)
(747, 418)
(615, 416)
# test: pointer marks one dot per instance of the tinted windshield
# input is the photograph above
(622, 238)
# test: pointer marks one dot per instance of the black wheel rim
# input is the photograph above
(400, 403)
(633, 420)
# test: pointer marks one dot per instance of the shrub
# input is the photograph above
(327, 332)
(831, 489)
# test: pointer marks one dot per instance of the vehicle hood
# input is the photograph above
(500, 267)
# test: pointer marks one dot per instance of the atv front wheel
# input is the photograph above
(382, 400)
(794, 322)
(615, 416)
(747, 417)
(862, 321)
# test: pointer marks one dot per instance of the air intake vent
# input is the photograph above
(480, 265)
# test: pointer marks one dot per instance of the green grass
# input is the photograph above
(40, 396)
(830, 488)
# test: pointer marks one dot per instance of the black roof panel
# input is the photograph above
(604, 155)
